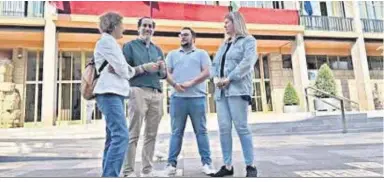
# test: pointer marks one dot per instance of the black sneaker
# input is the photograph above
(251, 171)
(223, 172)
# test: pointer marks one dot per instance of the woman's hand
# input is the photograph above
(221, 83)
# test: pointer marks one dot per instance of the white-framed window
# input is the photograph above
(33, 86)
(199, 2)
(278, 4)
(22, 8)
(68, 86)
(371, 9)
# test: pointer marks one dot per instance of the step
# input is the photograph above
(320, 123)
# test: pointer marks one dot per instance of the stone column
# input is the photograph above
(50, 67)
(299, 66)
(360, 64)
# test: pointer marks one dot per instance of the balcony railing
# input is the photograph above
(372, 25)
(326, 23)
(21, 8)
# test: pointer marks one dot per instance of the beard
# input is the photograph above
(146, 36)
(186, 45)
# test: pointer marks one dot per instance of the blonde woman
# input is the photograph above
(232, 70)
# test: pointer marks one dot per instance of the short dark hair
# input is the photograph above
(141, 21)
(192, 31)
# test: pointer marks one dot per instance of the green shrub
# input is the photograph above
(290, 96)
(325, 82)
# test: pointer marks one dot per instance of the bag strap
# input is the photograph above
(105, 63)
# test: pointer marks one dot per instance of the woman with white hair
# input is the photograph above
(232, 70)
(112, 88)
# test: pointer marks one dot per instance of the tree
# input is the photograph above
(290, 95)
(325, 82)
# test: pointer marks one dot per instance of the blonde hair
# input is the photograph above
(109, 21)
(238, 22)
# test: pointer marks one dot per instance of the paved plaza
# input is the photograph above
(358, 154)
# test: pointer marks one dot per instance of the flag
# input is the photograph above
(308, 7)
(152, 5)
(58, 4)
(234, 6)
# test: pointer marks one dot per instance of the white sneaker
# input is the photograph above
(154, 174)
(170, 170)
(132, 175)
(208, 169)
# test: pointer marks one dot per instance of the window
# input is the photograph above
(334, 62)
(375, 62)
(69, 80)
(264, 4)
(268, 93)
(35, 8)
(251, 4)
(371, 9)
(343, 8)
(345, 63)
(323, 9)
(257, 70)
(311, 63)
(278, 4)
(34, 88)
(199, 2)
(379, 9)
(287, 61)
(321, 60)
(266, 67)
(257, 104)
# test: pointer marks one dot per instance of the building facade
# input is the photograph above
(44, 48)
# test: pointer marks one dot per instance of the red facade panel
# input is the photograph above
(181, 11)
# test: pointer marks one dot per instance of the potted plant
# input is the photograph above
(325, 82)
(291, 100)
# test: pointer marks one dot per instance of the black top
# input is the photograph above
(223, 60)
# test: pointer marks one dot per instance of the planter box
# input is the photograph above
(321, 106)
(291, 109)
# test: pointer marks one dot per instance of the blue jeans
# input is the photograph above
(181, 108)
(112, 107)
(234, 109)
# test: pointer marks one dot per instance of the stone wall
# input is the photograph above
(378, 93)
(345, 80)
(376, 74)
(280, 77)
(10, 97)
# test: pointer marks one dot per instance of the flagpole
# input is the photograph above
(150, 6)
(230, 6)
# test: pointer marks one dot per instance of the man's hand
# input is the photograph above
(179, 88)
(150, 67)
(188, 84)
(162, 67)
(161, 64)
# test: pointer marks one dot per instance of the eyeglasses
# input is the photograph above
(147, 25)
(184, 35)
